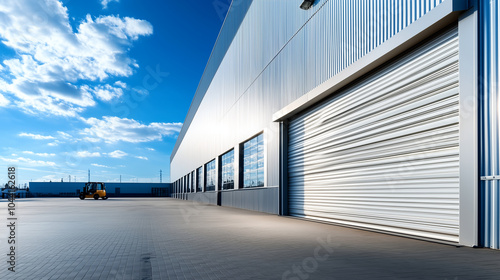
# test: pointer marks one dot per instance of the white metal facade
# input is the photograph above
(278, 54)
(384, 153)
(409, 168)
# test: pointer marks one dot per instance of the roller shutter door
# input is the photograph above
(383, 154)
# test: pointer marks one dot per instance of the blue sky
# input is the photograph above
(99, 84)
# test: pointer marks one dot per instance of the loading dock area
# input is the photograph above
(165, 238)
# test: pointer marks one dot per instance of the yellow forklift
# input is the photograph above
(94, 190)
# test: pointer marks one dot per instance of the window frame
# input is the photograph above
(192, 186)
(206, 175)
(199, 179)
(262, 158)
(221, 170)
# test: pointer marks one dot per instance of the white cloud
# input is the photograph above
(87, 154)
(99, 165)
(126, 28)
(27, 161)
(54, 62)
(151, 149)
(92, 140)
(107, 92)
(117, 154)
(105, 3)
(120, 84)
(140, 91)
(39, 154)
(114, 129)
(64, 135)
(141, 157)
(3, 101)
(51, 178)
(36, 136)
(48, 106)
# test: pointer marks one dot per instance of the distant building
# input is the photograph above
(49, 189)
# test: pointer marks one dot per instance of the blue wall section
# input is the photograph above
(489, 27)
(56, 188)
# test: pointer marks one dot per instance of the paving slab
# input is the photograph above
(165, 238)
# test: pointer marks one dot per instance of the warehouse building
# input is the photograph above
(381, 115)
(113, 189)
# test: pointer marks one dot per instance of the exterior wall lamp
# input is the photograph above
(307, 4)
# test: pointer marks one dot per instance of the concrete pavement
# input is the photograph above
(163, 238)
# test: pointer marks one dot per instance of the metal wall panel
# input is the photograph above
(489, 129)
(278, 54)
(125, 188)
(204, 198)
(258, 199)
(384, 153)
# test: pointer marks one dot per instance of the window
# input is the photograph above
(183, 184)
(227, 170)
(253, 162)
(210, 176)
(192, 181)
(199, 179)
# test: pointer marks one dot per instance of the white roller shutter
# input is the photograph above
(383, 154)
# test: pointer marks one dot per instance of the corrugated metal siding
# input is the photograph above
(204, 198)
(278, 54)
(258, 199)
(384, 154)
(489, 117)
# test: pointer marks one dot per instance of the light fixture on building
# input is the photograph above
(307, 4)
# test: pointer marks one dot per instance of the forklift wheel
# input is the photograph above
(82, 197)
(96, 196)
(104, 197)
